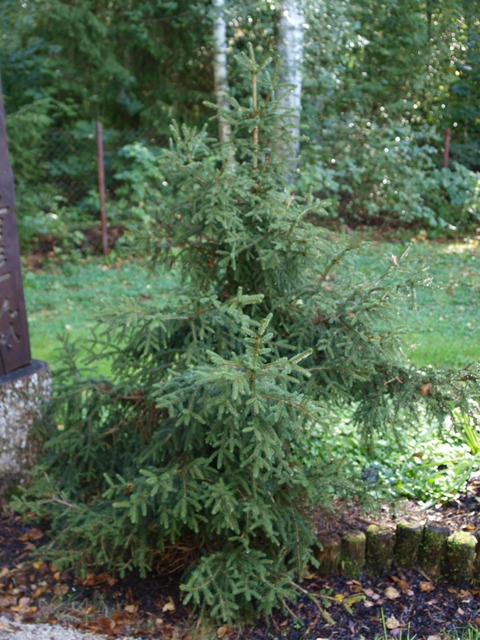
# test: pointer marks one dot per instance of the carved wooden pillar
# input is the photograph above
(14, 338)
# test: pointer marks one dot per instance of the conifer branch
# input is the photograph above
(293, 405)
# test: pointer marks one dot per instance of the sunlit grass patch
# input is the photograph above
(441, 324)
(69, 298)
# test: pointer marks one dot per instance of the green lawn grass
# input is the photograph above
(68, 298)
(442, 330)
(442, 325)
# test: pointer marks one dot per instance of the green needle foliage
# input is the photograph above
(196, 452)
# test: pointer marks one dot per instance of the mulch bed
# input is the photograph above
(461, 513)
(33, 590)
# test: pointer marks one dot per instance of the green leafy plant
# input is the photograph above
(456, 196)
(469, 426)
(430, 467)
(378, 170)
(195, 453)
(384, 171)
(139, 183)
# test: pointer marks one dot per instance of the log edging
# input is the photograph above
(436, 550)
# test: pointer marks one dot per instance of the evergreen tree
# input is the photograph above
(196, 449)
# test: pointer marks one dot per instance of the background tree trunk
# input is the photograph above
(290, 49)
(220, 69)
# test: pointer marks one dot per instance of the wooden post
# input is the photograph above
(329, 555)
(447, 134)
(432, 549)
(408, 538)
(101, 189)
(379, 552)
(460, 557)
(353, 553)
(14, 338)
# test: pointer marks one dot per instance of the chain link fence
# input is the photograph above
(72, 163)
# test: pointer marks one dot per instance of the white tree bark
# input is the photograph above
(220, 67)
(290, 49)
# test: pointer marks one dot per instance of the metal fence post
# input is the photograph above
(101, 189)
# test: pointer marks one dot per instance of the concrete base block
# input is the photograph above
(22, 395)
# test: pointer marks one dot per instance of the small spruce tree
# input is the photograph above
(197, 441)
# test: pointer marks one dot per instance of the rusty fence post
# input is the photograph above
(101, 189)
(447, 134)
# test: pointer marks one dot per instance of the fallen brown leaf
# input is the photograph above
(168, 606)
(31, 534)
(391, 593)
(24, 607)
(39, 591)
(355, 583)
(61, 589)
(392, 623)
(401, 583)
(426, 389)
(131, 608)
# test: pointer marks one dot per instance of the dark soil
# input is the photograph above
(462, 513)
(33, 590)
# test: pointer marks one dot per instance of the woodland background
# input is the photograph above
(251, 364)
(381, 82)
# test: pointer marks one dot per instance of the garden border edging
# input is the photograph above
(434, 549)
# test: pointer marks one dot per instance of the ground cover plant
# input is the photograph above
(195, 448)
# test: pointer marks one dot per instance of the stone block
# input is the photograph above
(23, 394)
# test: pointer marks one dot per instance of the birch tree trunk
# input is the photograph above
(220, 71)
(290, 49)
